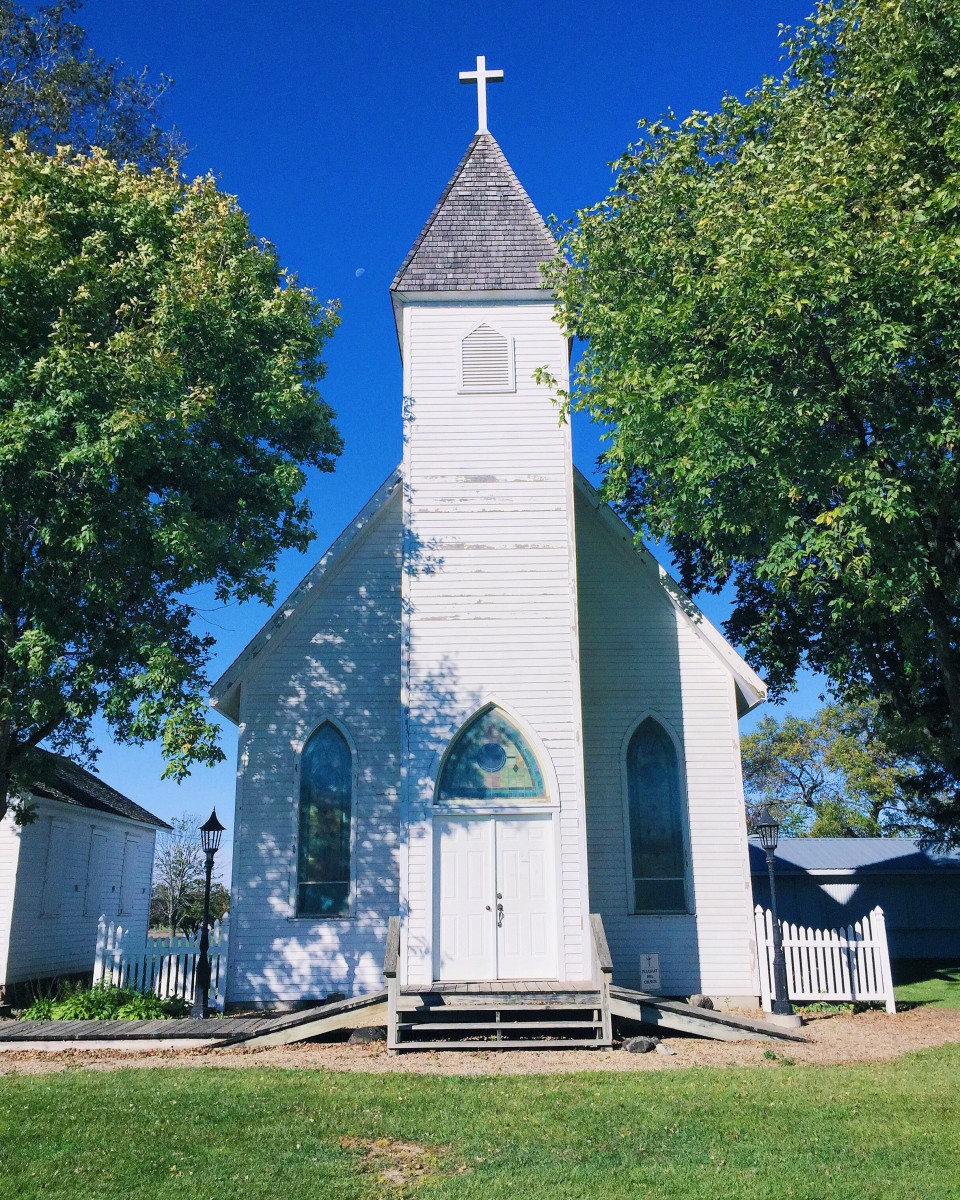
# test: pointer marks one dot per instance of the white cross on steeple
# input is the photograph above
(481, 76)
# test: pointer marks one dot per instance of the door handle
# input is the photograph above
(499, 916)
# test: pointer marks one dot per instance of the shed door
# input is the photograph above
(95, 902)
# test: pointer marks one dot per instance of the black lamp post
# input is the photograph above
(210, 834)
(768, 827)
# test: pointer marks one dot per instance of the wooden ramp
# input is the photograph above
(370, 1009)
(492, 1015)
(136, 1035)
(686, 1018)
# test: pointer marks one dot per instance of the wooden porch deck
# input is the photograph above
(500, 987)
(366, 1010)
(215, 1031)
(212, 1030)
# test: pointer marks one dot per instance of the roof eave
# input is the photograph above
(224, 696)
(401, 299)
(750, 688)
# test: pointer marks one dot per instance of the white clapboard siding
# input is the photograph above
(489, 580)
(10, 841)
(166, 966)
(338, 658)
(65, 869)
(851, 963)
(641, 657)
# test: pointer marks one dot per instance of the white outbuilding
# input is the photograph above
(87, 854)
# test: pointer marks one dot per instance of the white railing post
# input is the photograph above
(100, 954)
(219, 949)
(760, 918)
(878, 924)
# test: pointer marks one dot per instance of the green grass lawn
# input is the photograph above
(927, 981)
(888, 1130)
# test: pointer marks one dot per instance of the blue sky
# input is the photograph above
(337, 126)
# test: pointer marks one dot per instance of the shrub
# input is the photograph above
(103, 1002)
(148, 1007)
(40, 1010)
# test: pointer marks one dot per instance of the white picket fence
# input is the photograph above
(828, 964)
(164, 965)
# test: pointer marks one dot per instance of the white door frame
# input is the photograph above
(494, 816)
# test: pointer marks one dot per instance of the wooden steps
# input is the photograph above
(493, 1026)
(499, 1014)
(529, 1044)
(503, 1021)
(507, 1001)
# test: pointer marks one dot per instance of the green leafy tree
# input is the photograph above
(771, 298)
(56, 90)
(219, 907)
(158, 406)
(179, 872)
(830, 775)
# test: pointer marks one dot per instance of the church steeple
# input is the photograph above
(484, 235)
(488, 582)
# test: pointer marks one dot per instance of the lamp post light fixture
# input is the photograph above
(768, 828)
(210, 834)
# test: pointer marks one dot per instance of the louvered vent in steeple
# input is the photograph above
(486, 361)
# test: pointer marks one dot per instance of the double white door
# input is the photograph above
(495, 899)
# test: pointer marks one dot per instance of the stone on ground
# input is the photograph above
(640, 1045)
(367, 1034)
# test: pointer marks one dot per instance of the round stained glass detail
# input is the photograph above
(491, 757)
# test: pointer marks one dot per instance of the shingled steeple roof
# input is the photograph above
(484, 234)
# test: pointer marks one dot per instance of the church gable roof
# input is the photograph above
(751, 690)
(484, 233)
(225, 695)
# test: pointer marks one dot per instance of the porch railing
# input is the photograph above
(602, 973)
(391, 958)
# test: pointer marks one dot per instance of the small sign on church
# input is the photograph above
(650, 972)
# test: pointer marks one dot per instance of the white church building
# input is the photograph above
(486, 710)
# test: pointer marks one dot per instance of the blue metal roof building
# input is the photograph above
(830, 882)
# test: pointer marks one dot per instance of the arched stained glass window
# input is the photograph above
(323, 848)
(489, 759)
(655, 801)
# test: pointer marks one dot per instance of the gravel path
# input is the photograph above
(864, 1037)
